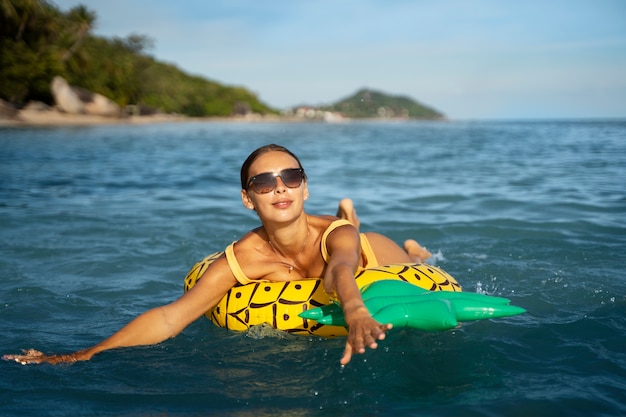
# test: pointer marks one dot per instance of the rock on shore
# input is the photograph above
(75, 100)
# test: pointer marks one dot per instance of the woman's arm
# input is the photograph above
(345, 250)
(155, 325)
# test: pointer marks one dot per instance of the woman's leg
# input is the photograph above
(417, 252)
(385, 249)
(347, 212)
(388, 252)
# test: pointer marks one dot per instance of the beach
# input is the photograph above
(53, 117)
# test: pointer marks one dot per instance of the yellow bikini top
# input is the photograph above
(369, 259)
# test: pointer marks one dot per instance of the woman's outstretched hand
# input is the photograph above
(30, 356)
(363, 331)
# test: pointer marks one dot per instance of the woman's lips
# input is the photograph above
(282, 204)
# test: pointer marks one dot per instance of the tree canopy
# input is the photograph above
(38, 41)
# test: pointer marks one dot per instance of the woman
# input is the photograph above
(290, 244)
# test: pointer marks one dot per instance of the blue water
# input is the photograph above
(98, 224)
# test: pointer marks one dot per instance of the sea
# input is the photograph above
(99, 224)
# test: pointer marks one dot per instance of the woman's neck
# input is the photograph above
(290, 240)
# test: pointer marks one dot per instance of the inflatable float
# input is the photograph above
(420, 296)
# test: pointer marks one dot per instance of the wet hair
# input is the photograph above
(245, 168)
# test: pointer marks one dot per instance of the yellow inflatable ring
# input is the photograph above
(279, 303)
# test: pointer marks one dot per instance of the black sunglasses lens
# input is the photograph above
(263, 183)
(292, 177)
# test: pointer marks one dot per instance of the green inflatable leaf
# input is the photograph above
(405, 305)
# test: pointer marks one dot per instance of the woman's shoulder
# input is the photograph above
(252, 239)
(250, 258)
(327, 224)
(322, 222)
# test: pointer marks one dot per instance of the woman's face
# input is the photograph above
(282, 204)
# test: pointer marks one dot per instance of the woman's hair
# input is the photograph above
(245, 168)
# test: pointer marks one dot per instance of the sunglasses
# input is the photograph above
(266, 182)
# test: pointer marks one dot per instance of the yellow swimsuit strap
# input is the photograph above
(369, 258)
(236, 268)
(335, 224)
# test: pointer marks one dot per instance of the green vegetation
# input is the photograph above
(372, 104)
(38, 42)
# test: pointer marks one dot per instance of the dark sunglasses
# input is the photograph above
(266, 182)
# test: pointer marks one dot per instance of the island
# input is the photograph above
(54, 70)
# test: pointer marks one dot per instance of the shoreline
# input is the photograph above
(52, 118)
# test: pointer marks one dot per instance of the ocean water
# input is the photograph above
(98, 224)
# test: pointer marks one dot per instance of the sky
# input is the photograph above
(472, 59)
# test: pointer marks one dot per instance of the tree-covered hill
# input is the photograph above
(367, 103)
(38, 41)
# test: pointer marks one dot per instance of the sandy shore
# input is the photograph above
(53, 117)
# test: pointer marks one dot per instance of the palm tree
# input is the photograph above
(8, 20)
(8, 9)
(83, 19)
(29, 9)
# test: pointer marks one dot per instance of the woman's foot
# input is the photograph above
(417, 252)
(346, 211)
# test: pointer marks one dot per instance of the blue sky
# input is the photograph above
(481, 59)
